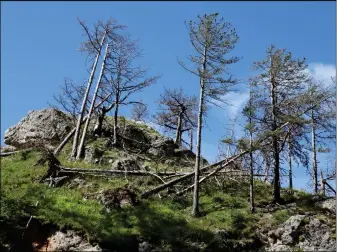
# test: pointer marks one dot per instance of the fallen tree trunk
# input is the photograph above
(175, 181)
(140, 173)
(330, 187)
(5, 154)
(222, 163)
(215, 171)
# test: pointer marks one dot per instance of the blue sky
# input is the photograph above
(39, 42)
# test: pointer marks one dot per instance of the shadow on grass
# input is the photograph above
(122, 229)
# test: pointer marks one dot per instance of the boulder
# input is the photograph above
(7, 148)
(69, 241)
(47, 126)
(126, 164)
(163, 146)
(304, 232)
(329, 204)
(93, 154)
(117, 198)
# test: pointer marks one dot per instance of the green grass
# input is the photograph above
(163, 221)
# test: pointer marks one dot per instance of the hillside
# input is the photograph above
(104, 211)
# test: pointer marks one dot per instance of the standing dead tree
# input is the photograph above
(123, 77)
(93, 46)
(177, 112)
(224, 163)
(279, 84)
(212, 41)
(140, 111)
(322, 121)
(80, 150)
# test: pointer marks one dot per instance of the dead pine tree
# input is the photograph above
(322, 120)
(211, 39)
(177, 113)
(279, 84)
(93, 46)
(124, 78)
(80, 150)
(248, 112)
(140, 111)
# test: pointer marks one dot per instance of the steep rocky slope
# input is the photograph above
(92, 212)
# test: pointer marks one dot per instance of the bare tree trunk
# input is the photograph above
(322, 184)
(178, 132)
(195, 207)
(117, 103)
(81, 146)
(191, 139)
(314, 158)
(290, 166)
(116, 124)
(267, 167)
(251, 166)
(251, 180)
(276, 182)
(66, 139)
(99, 123)
(84, 103)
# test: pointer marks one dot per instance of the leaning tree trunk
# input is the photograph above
(81, 146)
(314, 157)
(195, 207)
(84, 103)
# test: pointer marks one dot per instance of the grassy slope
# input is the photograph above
(160, 220)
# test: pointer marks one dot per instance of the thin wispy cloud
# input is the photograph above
(236, 101)
(323, 72)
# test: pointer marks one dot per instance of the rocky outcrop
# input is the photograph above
(93, 155)
(126, 164)
(117, 198)
(68, 241)
(47, 126)
(7, 148)
(163, 146)
(304, 232)
(329, 204)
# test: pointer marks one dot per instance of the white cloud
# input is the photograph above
(322, 72)
(236, 101)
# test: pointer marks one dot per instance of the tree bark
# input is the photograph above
(191, 139)
(84, 103)
(276, 182)
(116, 124)
(251, 179)
(322, 184)
(314, 157)
(195, 206)
(267, 167)
(99, 123)
(81, 146)
(178, 131)
(290, 166)
(117, 104)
